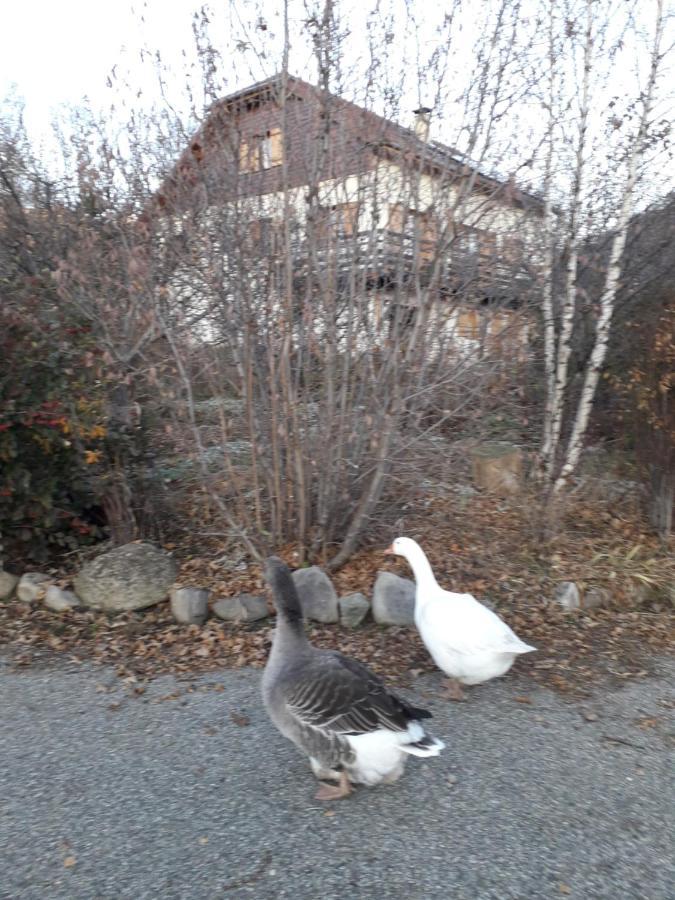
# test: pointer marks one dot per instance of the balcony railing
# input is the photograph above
(386, 258)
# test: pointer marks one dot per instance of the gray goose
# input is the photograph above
(333, 708)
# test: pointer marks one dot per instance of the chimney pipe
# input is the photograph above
(422, 122)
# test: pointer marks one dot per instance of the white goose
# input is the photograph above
(465, 639)
(332, 707)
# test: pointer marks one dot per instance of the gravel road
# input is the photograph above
(186, 791)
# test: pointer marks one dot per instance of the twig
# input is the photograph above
(617, 740)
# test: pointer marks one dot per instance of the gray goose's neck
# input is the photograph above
(289, 636)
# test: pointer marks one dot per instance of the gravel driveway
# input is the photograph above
(186, 791)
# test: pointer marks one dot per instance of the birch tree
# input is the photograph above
(568, 409)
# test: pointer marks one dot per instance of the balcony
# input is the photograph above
(386, 259)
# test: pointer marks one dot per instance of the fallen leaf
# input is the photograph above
(69, 862)
(523, 699)
(647, 722)
(564, 888)
(329, 813)
(240, 719)
(589, 715)
(203, 840)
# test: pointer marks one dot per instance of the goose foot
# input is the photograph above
(334, 791)
(453, 691)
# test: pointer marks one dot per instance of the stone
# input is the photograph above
(32, 586)
(498, 467)
(317, 595)
(595, 598)
(129, 577)
(353, 610)
(189, 605)
(567, 595)
(59, 600)
(242, 608)
(7, 584)
(393, 600)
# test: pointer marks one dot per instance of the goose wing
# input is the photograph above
(466, 625)
(340, 695)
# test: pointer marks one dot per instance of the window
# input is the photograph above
(487, 245)
(340, 220)
(467, 238)
(513, 248)
(249, 156)
(421, 226)
(397, 216)
(468, 325)
(273, 148)
(265, 235)
(348, 218)
(261, 151)
(426, 234)
(477, 240)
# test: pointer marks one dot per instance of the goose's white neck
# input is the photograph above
(421, 566)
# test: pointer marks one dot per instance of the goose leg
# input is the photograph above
(453, 690)
(335, 791)
(322, 773)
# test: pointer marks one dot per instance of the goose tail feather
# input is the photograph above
(426, 746)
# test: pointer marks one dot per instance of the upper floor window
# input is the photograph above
(266, 235)
(260, 152)
(477, 241)
(513, 248)
(419, 225)
(339, 220)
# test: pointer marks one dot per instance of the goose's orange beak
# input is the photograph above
(390, 551)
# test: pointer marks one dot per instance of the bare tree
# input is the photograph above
(357, 283)
(305, 303)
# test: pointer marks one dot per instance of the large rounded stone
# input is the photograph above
(243, 608)
(32, 586)
(7, 584)
(130, 577)
(353, 610)
(189, 605)
(317, 595)
(567, 595)
(393, 600)
(59, 600)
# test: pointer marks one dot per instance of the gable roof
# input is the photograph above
(381, 136)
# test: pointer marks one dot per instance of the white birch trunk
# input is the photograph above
(564, 347)
(546, 453)
(608, 297)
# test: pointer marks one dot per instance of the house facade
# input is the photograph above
(315, 193)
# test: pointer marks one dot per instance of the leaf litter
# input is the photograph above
(494, 553)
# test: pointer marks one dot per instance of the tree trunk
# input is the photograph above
(608, 297)
(662, 501)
